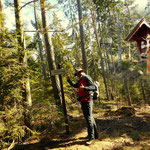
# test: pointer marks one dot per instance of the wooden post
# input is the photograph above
(64, 103)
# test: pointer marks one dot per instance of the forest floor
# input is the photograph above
(115, 133)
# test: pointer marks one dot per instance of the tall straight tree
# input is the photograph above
(84, 57)
(100, 53)
(74, 34)
(119, 44)
(98, 44)
(26, 95)
(39, 41)
(21, 49)
(50, 53)
(1, 30)
(129, 28)
(1, 16)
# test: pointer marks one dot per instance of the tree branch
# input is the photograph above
(27, 4)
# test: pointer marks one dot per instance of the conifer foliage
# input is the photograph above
(124, 84)
(11, 104)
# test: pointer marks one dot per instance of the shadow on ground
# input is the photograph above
(50, 144)
(77, 124)
(136, 127)
(116, 126)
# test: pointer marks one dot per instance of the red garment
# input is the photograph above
(85, 96)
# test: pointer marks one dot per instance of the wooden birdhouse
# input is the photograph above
(141, 34)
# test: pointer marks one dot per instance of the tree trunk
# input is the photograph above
(50, 54)
(1, 16)
(84, 57)
(93, 59)
(27, 81)
(129, 29)
(107, 58)
(1, 30)
(100, 53)
(128, 92)
(74, 34)
(92, 54)
(143, 91)
(110, 43)
(39, 42)
(26, 95)
(112, 60)
(77, 53)
(119, 45)
(19, 30)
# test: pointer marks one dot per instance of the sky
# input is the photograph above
(27, 14)
(141, 4)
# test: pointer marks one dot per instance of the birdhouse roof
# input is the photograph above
(139, 31)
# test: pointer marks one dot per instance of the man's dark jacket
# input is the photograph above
(85, 95)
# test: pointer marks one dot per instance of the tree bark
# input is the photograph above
(19, 30)
(100, 53)
(119, 45)
(26, 94)
(74, 34)
(39, 42)
(143, 91)
(77, 53)
(1, 16)
(50, 54)
(128, 92)
(84, 57)
(2, 39)
(129, 18)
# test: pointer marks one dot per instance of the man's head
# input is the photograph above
(79, 72)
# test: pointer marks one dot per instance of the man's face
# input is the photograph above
(80, 74)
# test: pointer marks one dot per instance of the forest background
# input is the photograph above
(30, 97)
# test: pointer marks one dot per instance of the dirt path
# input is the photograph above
(115, 133)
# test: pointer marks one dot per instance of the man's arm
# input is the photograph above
(75, 85)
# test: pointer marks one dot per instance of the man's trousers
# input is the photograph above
(87, 108)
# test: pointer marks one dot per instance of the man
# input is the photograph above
(85, 89)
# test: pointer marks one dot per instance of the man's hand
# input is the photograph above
(82, 87)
